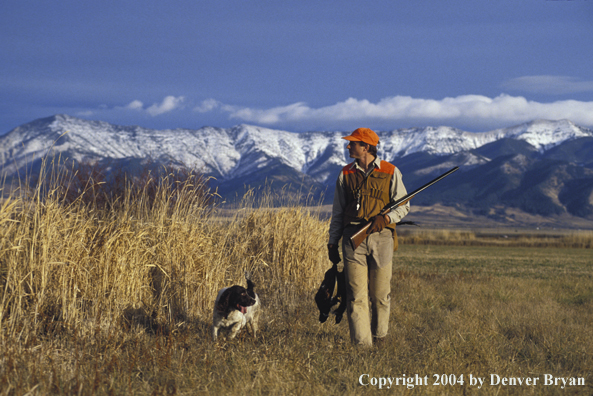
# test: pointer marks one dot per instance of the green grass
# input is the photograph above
(535, 263)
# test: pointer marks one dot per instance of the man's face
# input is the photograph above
(356, 149)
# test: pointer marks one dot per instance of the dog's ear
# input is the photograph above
(224, 301)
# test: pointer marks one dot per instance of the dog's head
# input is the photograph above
(235, 297)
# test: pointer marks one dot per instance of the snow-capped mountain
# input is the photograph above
(224, 153)
(244, 149)
(245, 154)
(541, 134)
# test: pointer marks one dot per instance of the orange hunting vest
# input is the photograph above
(366, 196)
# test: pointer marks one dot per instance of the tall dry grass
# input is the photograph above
(152, 256)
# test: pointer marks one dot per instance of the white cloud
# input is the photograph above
(168, 104)
(556, 85)
(135, 105)
(470, 112)
(207, 105)
(467, 110)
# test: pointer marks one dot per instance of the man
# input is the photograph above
(363, 188)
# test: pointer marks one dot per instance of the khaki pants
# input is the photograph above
(368, 275)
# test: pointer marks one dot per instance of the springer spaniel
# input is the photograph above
(236, 307)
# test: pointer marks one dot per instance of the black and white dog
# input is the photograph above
(236, 307)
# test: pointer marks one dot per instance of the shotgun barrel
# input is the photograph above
(360, 236)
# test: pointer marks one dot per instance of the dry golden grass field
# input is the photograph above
(116, 299)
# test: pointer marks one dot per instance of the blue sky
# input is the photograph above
(297, 65)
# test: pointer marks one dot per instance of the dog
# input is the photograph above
(236, 307)
(324, 299)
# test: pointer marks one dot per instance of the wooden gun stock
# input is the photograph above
(360, 236)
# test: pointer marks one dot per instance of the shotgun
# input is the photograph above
(360, 236)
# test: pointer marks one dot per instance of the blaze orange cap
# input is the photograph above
(365, 135)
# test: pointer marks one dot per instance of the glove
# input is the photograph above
(333, 254)
(378, 223)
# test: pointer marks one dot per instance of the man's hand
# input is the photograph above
(378, 223)
(333, 253)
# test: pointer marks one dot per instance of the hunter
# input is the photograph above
(363, 188)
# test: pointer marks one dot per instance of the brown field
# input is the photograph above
(117, 300)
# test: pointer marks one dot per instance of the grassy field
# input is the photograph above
(117, 300)
(512, 312)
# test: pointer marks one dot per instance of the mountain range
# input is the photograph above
(541, 167)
